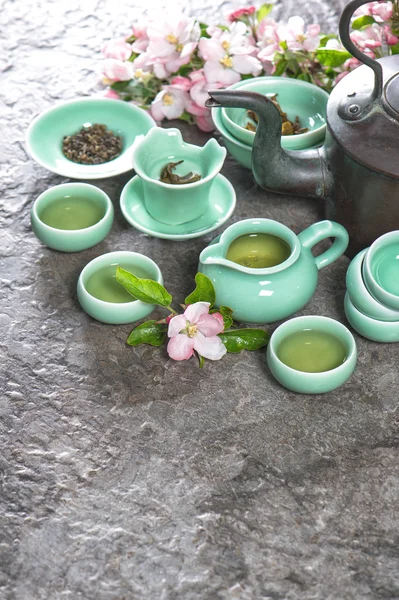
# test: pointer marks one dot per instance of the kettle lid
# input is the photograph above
(363, 109)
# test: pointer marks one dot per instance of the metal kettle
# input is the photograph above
(356, 171)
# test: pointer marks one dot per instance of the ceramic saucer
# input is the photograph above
(221, 206)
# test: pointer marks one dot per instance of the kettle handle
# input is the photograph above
(344, 34)
(321, 231)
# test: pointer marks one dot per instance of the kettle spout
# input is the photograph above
(302, 172)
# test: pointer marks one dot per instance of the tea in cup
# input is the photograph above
(312, 354)
(72, 216)
(381, 269)
(176, 177)
(106, 300)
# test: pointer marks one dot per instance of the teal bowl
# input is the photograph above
(117, 313)
(361, 297)
(296, 98)
(305, 382)
(381, 269)
(73, 240)
(372, 329)
(45, 135)
(238, 150)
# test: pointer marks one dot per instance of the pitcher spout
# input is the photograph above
(302, 173)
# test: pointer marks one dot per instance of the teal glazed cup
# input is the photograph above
(266, 295)
(372, 329)
(117, 313)
(72, 240)
(361, 297)
(381, 269)
(176, 204)
(302, 381)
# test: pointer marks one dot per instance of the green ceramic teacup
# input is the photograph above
(169, 203)
(297, 98)
(372, 329)
(124, 310)
(306, 382)
(269, 294)
(361, 297)
(98, 206)
(381, 269)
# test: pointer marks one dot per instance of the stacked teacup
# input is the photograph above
(372, 297)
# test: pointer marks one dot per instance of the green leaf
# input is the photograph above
(204, 291)
(150, 332)
(324, 39)
(263, 11)
(146, 290)
(185, 116)
(203, 28)
(363, 22)
(281, 67)
(227, 314)
(237, 340)
(120, 86)
(394, 49)
(332, 58)
(305, 77)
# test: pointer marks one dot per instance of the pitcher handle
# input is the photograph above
(320, 231)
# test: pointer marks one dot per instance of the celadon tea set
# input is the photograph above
(259, 267)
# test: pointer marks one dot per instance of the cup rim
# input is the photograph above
(227, 236)
(375, 246)
(101, 258)
(73, 232)
(295, 325)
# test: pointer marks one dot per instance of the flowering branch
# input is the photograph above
(168, 66)
(200, 330)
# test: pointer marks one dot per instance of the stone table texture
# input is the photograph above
(126, 475)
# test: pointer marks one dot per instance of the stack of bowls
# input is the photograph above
(296, 98)
(372, 297)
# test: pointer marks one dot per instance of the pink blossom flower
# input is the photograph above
(296, 37)
(390, 38)
(205, 122)
(229, 54)
(382, 11)
(110, 93)
(183, 82)
(200, 86)
(367, 39)
(171, 43)
(117, 70)
(237, 14)
(169, 103)
(196, 330)
(269, 41)
(117, 49)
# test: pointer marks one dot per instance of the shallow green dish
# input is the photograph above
(296, 98)
(222, 201)
(114, 312)
(46, 132)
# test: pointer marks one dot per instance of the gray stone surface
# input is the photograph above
(125, 475)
